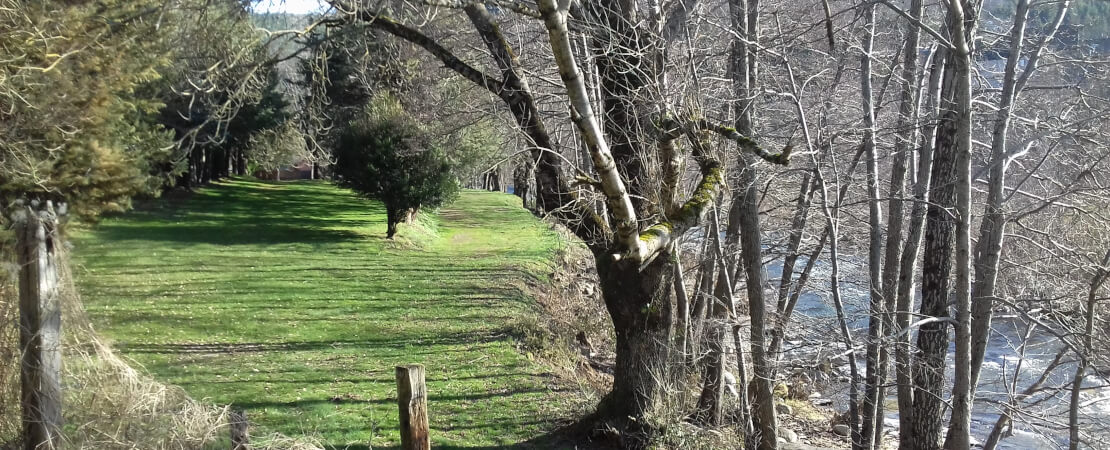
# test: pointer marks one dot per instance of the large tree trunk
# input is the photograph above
(904, 304)
(638, 301)
(932, 337)
(633, 259)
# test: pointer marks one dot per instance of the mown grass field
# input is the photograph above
(286, 300)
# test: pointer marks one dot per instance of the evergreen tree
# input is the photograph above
(390, 157)
(75, 126)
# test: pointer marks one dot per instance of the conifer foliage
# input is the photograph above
(72, 127)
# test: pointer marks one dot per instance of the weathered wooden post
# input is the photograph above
(412, 400)
(240, 436)
(40, 324)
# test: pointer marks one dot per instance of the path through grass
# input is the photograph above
(286, 300)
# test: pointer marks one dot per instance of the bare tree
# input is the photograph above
(626, 141)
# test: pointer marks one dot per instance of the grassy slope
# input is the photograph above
(287, 301)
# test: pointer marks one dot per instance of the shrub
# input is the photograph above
(389, 156)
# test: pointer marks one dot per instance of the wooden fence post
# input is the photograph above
(412, 400)
(240, 436)
(40, 325)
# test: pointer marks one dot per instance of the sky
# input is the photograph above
(288, 6)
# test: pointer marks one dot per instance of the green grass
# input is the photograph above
(285, 299)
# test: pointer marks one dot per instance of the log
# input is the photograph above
(412, 402)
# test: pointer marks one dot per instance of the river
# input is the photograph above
(1042, 422)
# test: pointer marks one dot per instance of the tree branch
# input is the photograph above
(521, 8)
(387, 24)
(746, 143)
(554, 193)
(620, 203)
(932, 32)
(659, 236)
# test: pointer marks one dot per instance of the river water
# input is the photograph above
(1044, 417)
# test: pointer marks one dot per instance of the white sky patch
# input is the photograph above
(288, 6)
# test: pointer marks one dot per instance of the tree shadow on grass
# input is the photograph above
(247, 212)
(390, 342)
(244, 212)
(572, 436)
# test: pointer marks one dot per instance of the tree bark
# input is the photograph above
(751, 255)
(521, 184)
(903, 358)
(606, 165)
(906, 138)
(932, 337)
(743, 68)
(241, 163)
(638, 300)
(682, 308)
(963, 17)
(393, 216)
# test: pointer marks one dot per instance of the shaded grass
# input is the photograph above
(285, 299)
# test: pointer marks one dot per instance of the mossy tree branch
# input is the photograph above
(746, 143)
(658, 237)
(671, 129)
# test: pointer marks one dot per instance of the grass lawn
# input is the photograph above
(286, 300)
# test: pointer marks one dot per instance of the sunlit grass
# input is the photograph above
(286, 300)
